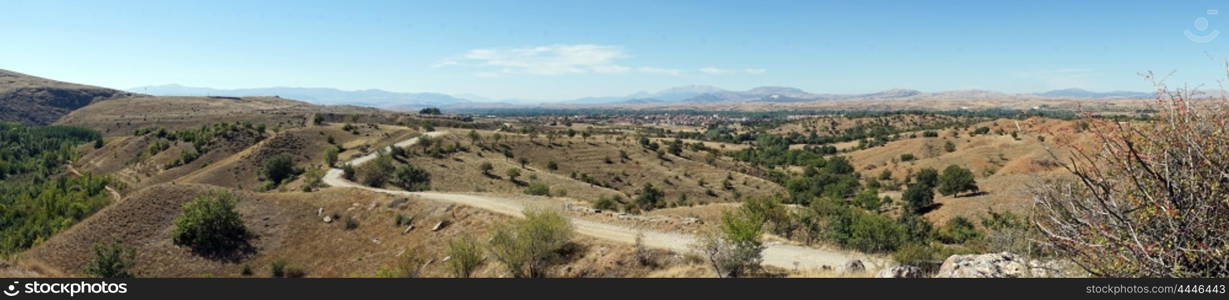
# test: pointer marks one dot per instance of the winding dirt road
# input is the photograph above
(775, 254)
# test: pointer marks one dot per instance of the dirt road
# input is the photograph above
(775, 254)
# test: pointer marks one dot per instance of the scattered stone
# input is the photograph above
(407, 229)
(376, 241)
(319, 211)
(397, 202)
(900, 271)
(446, 258)
(855, 266)
(439, 225)
(328, 219)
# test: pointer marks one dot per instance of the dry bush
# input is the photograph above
(1149, 199)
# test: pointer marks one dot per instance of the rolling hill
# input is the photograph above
(33, 100)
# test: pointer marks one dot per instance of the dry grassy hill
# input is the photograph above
(122, 116)
(587, 169)
(288, 228)
(1003, 166)
(38, 101)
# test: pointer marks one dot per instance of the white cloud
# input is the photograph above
(549, 60)
(755, 71)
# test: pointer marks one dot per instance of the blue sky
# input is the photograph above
(553, 50)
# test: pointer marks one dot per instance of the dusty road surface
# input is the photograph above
(775, 254)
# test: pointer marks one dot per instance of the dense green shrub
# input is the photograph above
(606, 203)
(111, 260)
(538, 189)
(735, 248)
(530, 246)
(958, 230)
(956, 180)
(210, 225)
(330, 155)
(649, 197)
(279, 168)
(376, 172)
(927, 177)
(411, 178)
(918, 198)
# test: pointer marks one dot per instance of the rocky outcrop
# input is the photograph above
(998, 265)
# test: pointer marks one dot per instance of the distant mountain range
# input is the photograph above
(1081, 93)
(690, 94)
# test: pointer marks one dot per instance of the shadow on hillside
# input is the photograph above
(973, 194)
(232, 254)
(930, 208)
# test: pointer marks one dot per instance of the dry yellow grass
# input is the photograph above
(622, 177)
(1003, 166)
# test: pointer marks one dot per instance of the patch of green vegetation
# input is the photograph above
(36, 203)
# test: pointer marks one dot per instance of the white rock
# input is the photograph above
(993, 265)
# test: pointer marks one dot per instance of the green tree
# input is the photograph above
(279, 168)
(347, 171)
(376, 173)
(956, 180)
(486, 168)
(513, 173)
(411, 178)
(330, 155)
(675, 147)
(649, 197)
(927, 177)
(210, 225)
(918, 197)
